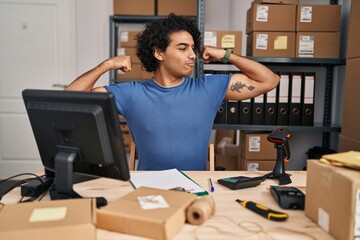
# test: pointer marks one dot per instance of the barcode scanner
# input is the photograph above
(280, 137)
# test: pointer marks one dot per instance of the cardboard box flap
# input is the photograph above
(349, 159)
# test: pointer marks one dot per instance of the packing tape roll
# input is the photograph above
(200, 210)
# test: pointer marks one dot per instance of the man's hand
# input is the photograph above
(212, 54)
(122, 63)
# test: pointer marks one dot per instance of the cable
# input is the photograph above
(20, 182)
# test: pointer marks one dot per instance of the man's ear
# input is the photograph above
(158, 54)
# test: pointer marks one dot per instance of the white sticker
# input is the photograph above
(306, 14)
(254, 144)
(152, 202)
(323, 219)
(210, 38)
(120, 51)
(306, 46)
(252, 167)
(261, 41)
(357, 215)
(262, 13)
(124, 36)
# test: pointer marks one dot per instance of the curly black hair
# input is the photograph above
(157, 34)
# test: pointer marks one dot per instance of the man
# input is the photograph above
(171, 115)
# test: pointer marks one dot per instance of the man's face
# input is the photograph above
(179, 57)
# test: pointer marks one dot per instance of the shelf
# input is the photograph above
(318, 129)
(139, 19)
(296, 61)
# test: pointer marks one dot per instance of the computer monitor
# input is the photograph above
(76, 132)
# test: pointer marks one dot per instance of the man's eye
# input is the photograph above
(182, 49)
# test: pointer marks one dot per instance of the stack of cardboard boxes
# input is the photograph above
(224, 39)
(155, 7)
(256, 152)
(285, 29)
(350, 130)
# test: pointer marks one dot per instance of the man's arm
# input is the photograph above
(253, 80)
(87, 80)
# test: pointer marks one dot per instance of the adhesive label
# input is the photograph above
(306, 46)
(262, 13)
(306, 14)
(253, 167)
(152, 202)
(261, 41)
(254, 144)
(124, 36)
(48, 214)
(323, 219)
(210, 38)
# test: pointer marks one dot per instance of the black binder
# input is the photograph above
(220, 117)
(258, 110)
(308, 99)
(245, 112)
(270, 108)
(283, 99)
(295, 99)
(232, 112)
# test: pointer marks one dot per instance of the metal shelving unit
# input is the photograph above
(326, 128)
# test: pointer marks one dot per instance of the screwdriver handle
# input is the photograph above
(264, 211)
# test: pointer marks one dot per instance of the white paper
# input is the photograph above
(165, 179)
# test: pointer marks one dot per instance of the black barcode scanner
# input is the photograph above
(280, 138)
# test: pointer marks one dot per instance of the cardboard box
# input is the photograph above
(256, 165)
(183, 7)
(224, 39)
(271, 44)
(271, 18)
(127, 215)
(318, 44)
(318, 18)
(135, 73)
(351, 111)
(348, 144)
(129, 51)
(333, 199)
(255, 146)
(134, 7)
(293, 2)
(353, 46)
(127, 39)
(56, 220)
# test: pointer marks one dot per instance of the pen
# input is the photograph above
(264, 211)
(211, 186)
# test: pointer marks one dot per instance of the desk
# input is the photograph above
(298, 226)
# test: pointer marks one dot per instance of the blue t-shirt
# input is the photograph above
(171, 126)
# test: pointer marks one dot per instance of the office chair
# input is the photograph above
(211, 155)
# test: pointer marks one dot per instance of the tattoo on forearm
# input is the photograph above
(236, 87)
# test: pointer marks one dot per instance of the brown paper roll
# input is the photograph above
(200, 210)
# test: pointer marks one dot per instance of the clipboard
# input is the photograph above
(166, 179)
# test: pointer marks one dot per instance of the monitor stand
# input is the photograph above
(64, 178)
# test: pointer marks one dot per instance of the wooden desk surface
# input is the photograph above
(231, 220)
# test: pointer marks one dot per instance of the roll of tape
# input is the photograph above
(200, 210)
